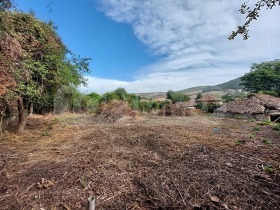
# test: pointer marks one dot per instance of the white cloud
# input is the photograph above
(192, 38)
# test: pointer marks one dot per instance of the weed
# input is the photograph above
(264, 123)
(50, 127)
(56, 120)
(268, 169)
(253, 120)
(239, 116)
(251, 136)
(276, 127)
(29, 138)
(83, 181)
(45, 133)
(266, 141)
(240, 142)
(256, 128)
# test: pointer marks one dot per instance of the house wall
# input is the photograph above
(258, 117)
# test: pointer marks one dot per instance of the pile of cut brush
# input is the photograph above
(174, 110)
(115, 111)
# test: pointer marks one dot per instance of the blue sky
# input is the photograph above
(157, 45)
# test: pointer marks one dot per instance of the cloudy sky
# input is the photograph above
(158, 45)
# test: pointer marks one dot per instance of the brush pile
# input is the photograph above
(174, 110)
(115, 111)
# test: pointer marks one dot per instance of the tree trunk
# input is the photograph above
(31, 108)
(1, 121)
(22, 115)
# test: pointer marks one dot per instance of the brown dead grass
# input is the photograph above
(157, 163)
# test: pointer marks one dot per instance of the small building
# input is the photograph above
(210, 99)
(185, 105)
(259, 107)
(209, 103)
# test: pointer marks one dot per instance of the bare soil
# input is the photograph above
(154, 162)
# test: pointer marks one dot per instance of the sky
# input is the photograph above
(159, 45)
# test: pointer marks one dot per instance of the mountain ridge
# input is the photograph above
(233, 84)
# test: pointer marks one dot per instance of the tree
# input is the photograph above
(232, 96)
(109, 96)
(121, 93)
(177, 96)
(5, 5)
(263, 77)
(252, 14)
(39, 63)
(198, 96)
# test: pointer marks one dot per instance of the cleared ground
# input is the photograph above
(197, 162)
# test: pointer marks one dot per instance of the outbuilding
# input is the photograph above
(259, 107)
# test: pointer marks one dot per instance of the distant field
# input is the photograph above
(197, 162)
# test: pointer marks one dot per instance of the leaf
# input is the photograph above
(215, 199)
(225, 205)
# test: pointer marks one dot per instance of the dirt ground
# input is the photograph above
(196, 162)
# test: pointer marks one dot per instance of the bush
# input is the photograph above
(276, 127)
(266, 141)
(256, 128)
(264, 123)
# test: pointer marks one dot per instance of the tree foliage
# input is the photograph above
(232, 96)
(252, 13)
(198, 96)
(177, 96)
(264, 77)
(5, 5)
(40, 64)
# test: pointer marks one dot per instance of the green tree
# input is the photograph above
(94, 96)
(145, 106)
(252, 13)
(5, 5)
(232, 96)
(40, 63)
(198, 96)
(263, 77)
(121, 93)
(92, 102)
(177, 96)
(109, 96)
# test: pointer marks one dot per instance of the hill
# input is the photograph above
(232, 84)
(216, 90)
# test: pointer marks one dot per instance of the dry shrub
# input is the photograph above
(173, 110)
(115, 111)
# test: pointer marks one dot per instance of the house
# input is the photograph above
(207, 99)
(259, 107)
(185, 105)
(208, 103)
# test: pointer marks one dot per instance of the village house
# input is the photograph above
(208, 103)
(259, 107)
(207, 99)
(185, 105)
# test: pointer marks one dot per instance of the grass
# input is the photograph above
(276, 127)
(267, 141)
(268, 169)
(256, 128)
(240, 142)
(251, 136)
(239, 116)
(264, 123)
(45, 133)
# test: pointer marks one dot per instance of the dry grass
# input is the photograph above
(156, 163)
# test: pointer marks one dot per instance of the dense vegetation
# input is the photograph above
(264, 78)
(177, 96)
(40, 72)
